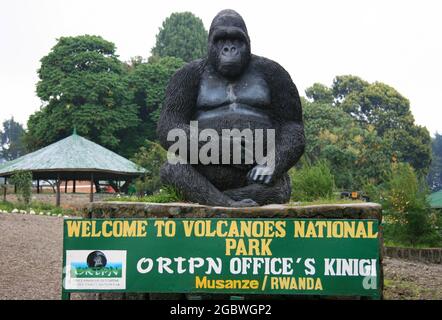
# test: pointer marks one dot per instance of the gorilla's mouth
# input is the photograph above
(230, 63)
(230, 67)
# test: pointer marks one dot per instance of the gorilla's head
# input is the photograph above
(229, 44)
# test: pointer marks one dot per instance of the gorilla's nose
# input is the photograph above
(230, 50)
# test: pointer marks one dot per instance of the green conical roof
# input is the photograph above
(72, 154)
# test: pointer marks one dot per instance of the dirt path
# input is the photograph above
(30, 256)
(412, 280)
(31, 251)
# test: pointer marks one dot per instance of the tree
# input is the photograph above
(435, 174)
(23, 182)
(406, 208)
(382, 108)
(346, 84)
(150, 156)
(411, 145)
(147, 84)
(320, 93)
(82, 86)
(11, 139)
(355, 154)
(182, 35)
(379, 105)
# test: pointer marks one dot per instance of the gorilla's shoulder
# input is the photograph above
(188, 76)
(268, 66)
(262, 60)
(195, 66)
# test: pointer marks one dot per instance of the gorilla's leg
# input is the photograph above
(263, 194)
(197, 188)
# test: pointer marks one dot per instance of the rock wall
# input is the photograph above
(183, 210)
(428, 255)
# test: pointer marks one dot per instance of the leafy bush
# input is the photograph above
(408, 218)
(23, 182)
(312, 182)
(165, 195)
(6, 205)
(151, 157)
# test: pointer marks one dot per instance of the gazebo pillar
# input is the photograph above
(4, 192)
(57, 197)
(38, 186)
(74, 186)
(92, 188)
(5, 189)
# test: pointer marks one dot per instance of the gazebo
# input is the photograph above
(72, 159)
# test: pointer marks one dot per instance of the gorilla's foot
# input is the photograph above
(243, 203)
(263, 194)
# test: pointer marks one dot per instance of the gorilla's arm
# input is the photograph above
(179, 105)
(287, 114)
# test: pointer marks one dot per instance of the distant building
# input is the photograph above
(436, 200)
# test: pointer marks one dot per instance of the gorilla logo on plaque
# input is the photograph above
(96, 260)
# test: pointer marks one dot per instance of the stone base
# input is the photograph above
(186, 210)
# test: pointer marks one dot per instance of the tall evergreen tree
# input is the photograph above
(147, 85)
(183, 36)
(11, 140)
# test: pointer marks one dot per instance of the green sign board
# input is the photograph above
(237, 256)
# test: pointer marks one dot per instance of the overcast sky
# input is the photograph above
(398, 42)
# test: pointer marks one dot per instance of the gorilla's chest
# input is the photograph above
(249, 91)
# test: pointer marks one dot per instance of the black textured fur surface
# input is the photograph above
(227, 185)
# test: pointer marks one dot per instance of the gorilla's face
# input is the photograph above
(229, 44)
(230, 53)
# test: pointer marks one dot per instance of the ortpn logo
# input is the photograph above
(96, 265)
(95, 269)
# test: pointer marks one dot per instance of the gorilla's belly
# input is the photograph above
(233, 116)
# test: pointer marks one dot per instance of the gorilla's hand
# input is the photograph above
(261, 174)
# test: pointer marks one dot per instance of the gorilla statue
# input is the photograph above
(233, 89)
